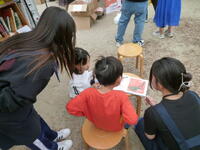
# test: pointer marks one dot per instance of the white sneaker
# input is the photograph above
(141, 42)
(62, 134)
(169, 34)
(118, 44)
(157, 33)
(65, 145)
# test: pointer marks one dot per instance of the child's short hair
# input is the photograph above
(108, 70)
(171, 74)
(81, 57)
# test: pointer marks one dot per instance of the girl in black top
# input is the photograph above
(179, 129)
(27, 62)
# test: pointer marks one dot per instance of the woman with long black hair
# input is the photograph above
(172, 124)
(27, 62)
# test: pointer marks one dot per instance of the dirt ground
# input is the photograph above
(99, 40)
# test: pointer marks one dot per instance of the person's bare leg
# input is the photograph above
(170, 29)
(160, 33)
(161, 30)
(169, 32)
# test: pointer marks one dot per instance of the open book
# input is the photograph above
(133, 85)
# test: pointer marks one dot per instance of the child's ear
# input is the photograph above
(118, 81)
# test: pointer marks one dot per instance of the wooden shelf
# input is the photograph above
(16, 9)
(5, 38)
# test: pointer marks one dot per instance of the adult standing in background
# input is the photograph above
(154, 2)
(27, 62)
(139, 9)
(167, 14)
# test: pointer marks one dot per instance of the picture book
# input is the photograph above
(133, 85)
(4, 24)
(6, 14)
(3, 31)
(17, 20)
(8, 23)
(12, 21)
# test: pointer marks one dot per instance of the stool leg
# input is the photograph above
(139, 104)
(141, 66)
(137, 62)
(126, 142)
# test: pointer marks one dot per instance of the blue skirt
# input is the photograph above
(168, 13)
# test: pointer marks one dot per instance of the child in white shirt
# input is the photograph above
(81, 77)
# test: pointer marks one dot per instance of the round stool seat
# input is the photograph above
(129, 50)
(98, 138)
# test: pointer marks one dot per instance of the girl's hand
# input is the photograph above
(150, 101)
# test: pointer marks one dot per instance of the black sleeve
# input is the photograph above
(18, 90)
(10, 102)
(149, 121)
(30, 86)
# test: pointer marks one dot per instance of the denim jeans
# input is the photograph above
(128, 9)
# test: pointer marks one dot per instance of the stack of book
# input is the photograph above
(9, 22)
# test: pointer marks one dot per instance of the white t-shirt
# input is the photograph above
(79, 83)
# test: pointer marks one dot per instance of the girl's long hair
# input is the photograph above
(171, 74)
(55, 33)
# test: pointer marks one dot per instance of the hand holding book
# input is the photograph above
(149, 100)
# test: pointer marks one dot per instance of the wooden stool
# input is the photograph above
(100, 139)
(138, 98)
(132, 50)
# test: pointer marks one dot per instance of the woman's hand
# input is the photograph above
(150, 101)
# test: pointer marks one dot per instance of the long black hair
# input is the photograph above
(171, 74)
(55, 33)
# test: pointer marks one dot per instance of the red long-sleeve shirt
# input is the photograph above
(104, 110)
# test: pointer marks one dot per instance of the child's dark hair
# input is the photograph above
(81, 57)
(108, 70)
(171, 74)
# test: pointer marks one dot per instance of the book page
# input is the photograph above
(24, 29)
(123, 84)
(135, 86)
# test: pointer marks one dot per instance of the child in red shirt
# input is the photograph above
(106, 108)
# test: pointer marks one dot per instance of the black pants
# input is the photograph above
(154, 2)
(155, 144)
(6, 142)
(46, 138)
